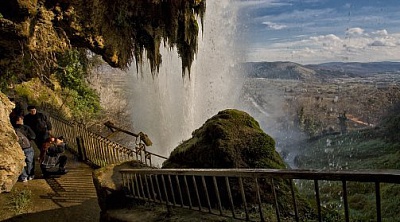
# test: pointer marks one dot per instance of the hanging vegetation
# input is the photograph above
(33, 32)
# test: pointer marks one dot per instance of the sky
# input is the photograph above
(318, 31)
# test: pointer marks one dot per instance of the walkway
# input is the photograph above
(71, 197)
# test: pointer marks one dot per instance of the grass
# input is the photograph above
(20, 201)
(361, 200)
(355, 150)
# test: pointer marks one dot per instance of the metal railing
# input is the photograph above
(98, 150)
(240, 193)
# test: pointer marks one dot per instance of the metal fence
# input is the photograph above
(227, 192)
(239, 194)
(98, 150)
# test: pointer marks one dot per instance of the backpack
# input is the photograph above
(41, 122)
(22, 139)
(51, 157)
(50, 161)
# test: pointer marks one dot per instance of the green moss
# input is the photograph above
(35, 93)
(20, 201)
(234, 139)
(356, 150)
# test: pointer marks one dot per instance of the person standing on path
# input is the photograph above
(17, 111)
(40, 124)
(25, 134)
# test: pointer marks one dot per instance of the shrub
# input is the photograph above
(82, 100)
(20, 201)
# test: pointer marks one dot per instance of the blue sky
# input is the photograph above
(316, 31)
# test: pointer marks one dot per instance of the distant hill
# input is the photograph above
(291, 70)
(278, 70)
(359, 69)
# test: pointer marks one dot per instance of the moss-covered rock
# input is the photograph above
(234, 139)
(230, 139)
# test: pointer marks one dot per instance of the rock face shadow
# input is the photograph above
(86, 211)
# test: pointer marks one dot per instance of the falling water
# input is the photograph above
(168, 107)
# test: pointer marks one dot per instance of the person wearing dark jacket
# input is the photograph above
(40, 124)
(52, 156)
(25, 134)
(17, 111)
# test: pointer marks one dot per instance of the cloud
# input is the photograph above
(363, 46)
(262, 3)
(382, 32)
(347, 5)
(274, 26)
(354, 31)
(323, 30)
(329, 38)
(377, 43)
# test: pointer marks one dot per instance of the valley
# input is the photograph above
(309, 107)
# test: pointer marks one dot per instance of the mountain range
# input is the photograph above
(291, 70)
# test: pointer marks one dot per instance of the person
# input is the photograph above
(39, 123)
(52, 156)
(25, 134)
(18, 110)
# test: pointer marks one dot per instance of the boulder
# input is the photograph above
(230, 139)
(109, 187)
(11, 155)
(234, 139)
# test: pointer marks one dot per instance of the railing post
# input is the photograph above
(316, 187)
(378, 202)
(209, 177)
(345, 202)
(81, 149)
(294, 201)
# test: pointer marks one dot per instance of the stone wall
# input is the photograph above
(109, 189)
(12, 158)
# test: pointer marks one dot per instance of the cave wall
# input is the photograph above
(32, 32)
(12, 158)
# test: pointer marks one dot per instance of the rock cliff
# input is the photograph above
(12, 159)
(33, 31)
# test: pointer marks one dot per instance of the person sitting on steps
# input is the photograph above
(52, 156)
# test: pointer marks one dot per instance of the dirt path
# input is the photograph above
(71, 197)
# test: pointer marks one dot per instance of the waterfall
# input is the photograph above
(168, 107)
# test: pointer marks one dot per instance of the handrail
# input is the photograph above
(182, 188)
(98, 150)
(216, 191)
(384, 176)
(142, 136)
